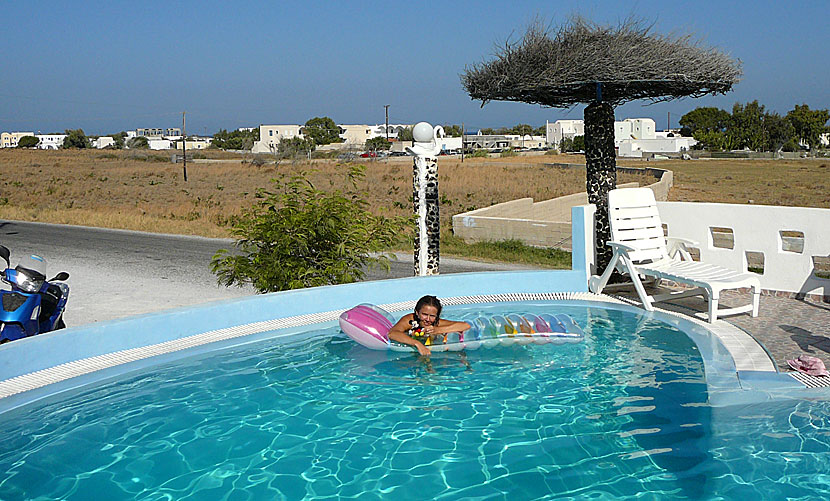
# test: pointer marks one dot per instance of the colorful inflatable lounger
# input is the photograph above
(369, 325)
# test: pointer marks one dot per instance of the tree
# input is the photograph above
(746, 127)
(779, 131)
(322, 130)
(27, 142)
(138, 143)
(703, 119)
(298, 236)
(235, 140)
(577, 143)
(522, 130)
(542, 130)
(405, 134)
(119, 139)
(377, 144)
(809, 124)
(75, 138)
(292, 147)
(452, 130)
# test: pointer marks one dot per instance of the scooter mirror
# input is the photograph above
(5, 254)
(61, 276)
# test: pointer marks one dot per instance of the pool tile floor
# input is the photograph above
(786, 327)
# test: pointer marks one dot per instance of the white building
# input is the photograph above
(103, 142)
(634, 128)
(159, 143)
(50, 141)
(271, 135)
(154, 132)
(10, 139)
(561, 129)
(637, 147)
(526, 141)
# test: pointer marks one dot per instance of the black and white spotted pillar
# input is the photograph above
(425, 195)
(601, 166)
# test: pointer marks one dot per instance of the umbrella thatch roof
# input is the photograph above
(562, 68)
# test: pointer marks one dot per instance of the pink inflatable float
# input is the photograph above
(369, 325)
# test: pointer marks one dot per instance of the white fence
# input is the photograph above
(784, 244)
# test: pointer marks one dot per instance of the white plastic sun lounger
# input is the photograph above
(640, 248)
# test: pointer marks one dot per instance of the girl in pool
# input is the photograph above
(424, 326)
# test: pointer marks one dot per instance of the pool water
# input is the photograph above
(622, 415)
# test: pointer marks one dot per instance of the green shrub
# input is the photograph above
(480, 153)
(508, 153)
(298, 236)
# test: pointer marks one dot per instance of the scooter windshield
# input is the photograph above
(34, 263)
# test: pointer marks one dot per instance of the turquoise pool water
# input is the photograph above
(623, 415)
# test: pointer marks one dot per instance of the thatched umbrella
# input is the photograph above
(604, 66)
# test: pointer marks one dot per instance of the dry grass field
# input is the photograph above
(142, 190)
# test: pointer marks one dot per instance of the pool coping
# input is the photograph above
(753, 367)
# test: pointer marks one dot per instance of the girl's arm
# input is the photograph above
(398, 333)
(445, 326)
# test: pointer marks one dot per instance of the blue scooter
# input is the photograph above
(33, 305)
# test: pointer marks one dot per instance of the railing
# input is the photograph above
(788, 247)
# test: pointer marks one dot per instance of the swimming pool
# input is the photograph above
(314, 415)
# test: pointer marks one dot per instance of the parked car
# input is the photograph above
(369, 154)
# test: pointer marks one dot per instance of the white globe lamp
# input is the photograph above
(423, 132)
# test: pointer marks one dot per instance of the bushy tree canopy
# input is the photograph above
(27, 142)
(704, 119)
(138, 143)
(322, 130)
(235, 140)
(291, 147)
(377, 144)
(809, 124)
(75, 138)
(751, 126)
(299, 236)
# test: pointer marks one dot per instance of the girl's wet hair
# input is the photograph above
(428, 301)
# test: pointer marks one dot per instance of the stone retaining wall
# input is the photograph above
(546, 223)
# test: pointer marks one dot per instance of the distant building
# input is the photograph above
(10, 139)
(563, 129)
(526, 141)
(486, 141)
(172, 131)
(50, 141)
(271, 135)
(103, 142)
(159, 143)
(636, 148)
(199, 143)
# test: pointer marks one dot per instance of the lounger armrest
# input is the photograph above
(621, 247)
(685, 241)
(677, 245)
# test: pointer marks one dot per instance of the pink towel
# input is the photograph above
(809, 365)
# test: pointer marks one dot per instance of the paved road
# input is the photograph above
(116, 273)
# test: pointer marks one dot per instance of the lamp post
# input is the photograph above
(425, 194)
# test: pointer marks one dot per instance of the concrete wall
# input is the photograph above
(546, 223)
(763, 231)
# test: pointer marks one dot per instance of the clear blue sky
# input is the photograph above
(112, 66)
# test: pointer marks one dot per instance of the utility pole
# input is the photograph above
(184, 148)
(668, 122)
(462, 142)
(386, 106)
